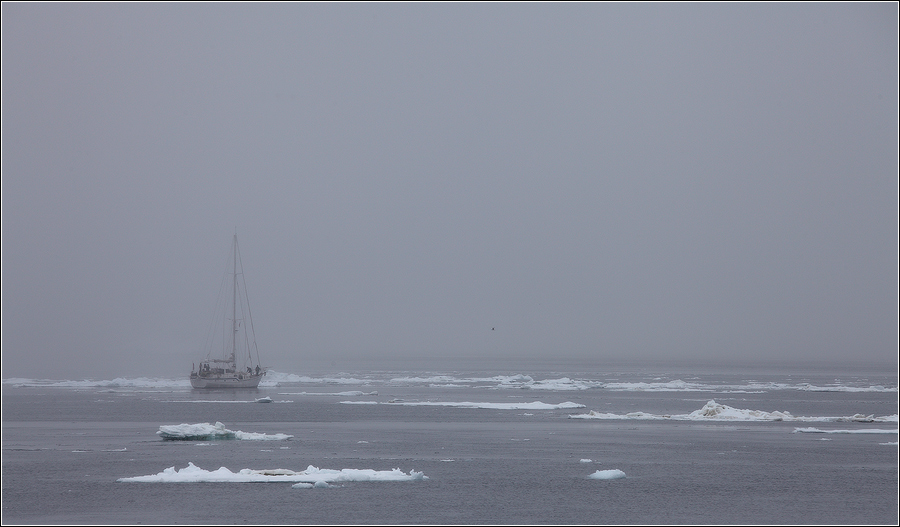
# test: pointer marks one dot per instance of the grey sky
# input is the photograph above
(606, 181)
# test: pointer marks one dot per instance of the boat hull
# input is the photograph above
(220, 382)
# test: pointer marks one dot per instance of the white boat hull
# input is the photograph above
(217, 382)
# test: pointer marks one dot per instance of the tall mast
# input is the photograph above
(234, 325)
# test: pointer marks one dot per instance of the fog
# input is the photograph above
(596, 182)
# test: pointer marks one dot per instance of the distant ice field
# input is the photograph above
(274, 379)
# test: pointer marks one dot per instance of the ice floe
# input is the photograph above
(536, 405)
(671, 386)
(206, 432)
(561, 384)
(861, 431)
(354, 393)
(607, 474)
(713, 411)
(842, 388)
(312, 476)
(423, 380)
(275, 378)
(265, 399)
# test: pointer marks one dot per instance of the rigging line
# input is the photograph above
(249, 316)
(243, 309)
(220, 311)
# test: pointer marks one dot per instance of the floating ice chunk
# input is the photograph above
(206, 432)
(585, 461)
(840, 388)
(353, 393)
(593, 414)
(607, 474)
(514, 379)
(195, 432)
(274, 378)
(266, 399)
(254, 436)
(713, 411)
(312, 475)
(351, 474)
(432, 379)
(317, 485)
(677, 385)
(861, 431)
(561, 384)
(536, 405)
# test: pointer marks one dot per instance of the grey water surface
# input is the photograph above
(64, 448)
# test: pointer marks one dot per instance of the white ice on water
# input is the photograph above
(518, 380)
(312, 476)
(607, 474)
(839, 388)
(206, 431)
(862, 431)
(275, 378)
(714, 411)
(434, 379)
(353, 393)
(118, 382)
(536, 405)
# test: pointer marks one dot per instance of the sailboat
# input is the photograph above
(229, 361)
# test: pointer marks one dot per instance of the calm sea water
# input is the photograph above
(65, 447)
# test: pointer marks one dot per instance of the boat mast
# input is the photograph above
(234, 324)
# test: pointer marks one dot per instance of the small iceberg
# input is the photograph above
(265, 399)
(208, 432)
(607, 474)
(714, 410)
